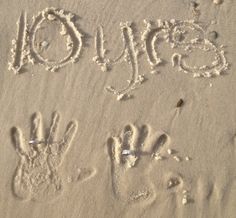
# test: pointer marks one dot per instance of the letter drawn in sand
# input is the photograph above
(129, 54)
(151, 36)
(36, 176)
(19, 52)
(173, 32)
(24, 49)
(218, 66)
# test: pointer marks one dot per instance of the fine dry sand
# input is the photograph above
(118, 109)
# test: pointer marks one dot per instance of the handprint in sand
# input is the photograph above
(36, 176)
(131, 154)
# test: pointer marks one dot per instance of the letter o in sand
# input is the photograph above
(74, 40)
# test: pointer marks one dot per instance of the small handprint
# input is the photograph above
(131, 156)
(36, 176)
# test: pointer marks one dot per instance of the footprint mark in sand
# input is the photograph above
(36, 176)
(129, 54)
(131, 161)
(24, 49)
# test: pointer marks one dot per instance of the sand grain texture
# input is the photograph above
(118, 109)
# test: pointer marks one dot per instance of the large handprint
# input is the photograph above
(36, 176)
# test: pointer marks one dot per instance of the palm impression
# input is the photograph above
(130, 154)
(36, 176)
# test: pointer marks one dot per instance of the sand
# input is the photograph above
(118, 109)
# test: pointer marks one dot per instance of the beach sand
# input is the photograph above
(117, 109)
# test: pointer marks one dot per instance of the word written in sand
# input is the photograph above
(173, 32)
(36, 176)
(187, 36)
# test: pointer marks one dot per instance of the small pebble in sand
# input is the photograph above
(210, 85)
(169, 151)
(104, 68)
(154, 72)
(51, 17)
(187, 158)
(213, 35)
(194, 8)
(217, 2)
(172, 183)
(185, 200)
(44, 44)
(120, 97)
(180, 103)
(194, 4)
(157, 156)
(177, 158)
